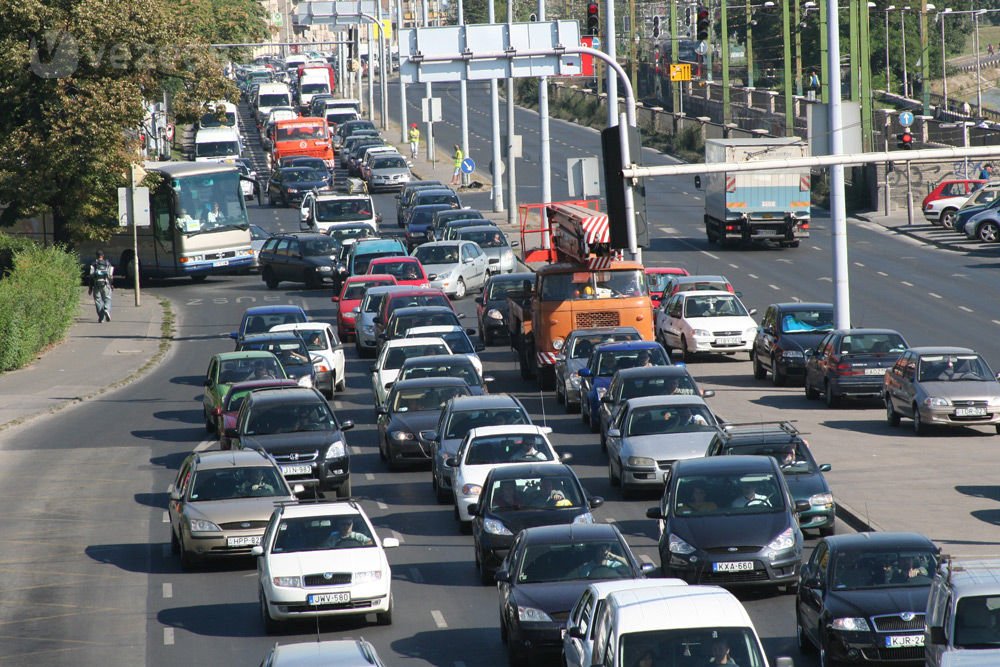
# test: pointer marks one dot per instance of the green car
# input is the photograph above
(229, 368)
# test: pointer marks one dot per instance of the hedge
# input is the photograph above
(39, 297)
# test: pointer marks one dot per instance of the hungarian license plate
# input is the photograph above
(246, 541)
(970, 412)
(734, 566)
(729, 340)
(766, 232)
(874, 371)
(328, 598)
(296, 470)
(221, 262)
(904, 641)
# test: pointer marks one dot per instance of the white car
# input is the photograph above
(326, 352)
(457, 339)
(322, 559)
(385, 370)
(458, 266)
(705, 321)
(488, 447)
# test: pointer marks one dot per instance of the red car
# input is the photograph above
(419, 296)
(953, 187)
(225, 414)
(656, 278)
(351, 294)
(406, 270)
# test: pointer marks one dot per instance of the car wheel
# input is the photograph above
(759, 372)
(209, 423)
(442, 494)
(188, 560)
(811, 393)
(828, 531)
(175, 546)
(604, 441)
(487, 337)
(824, 659)
(270, 625)
(832, 400)
(381, 451)
(686, 354)
(918, 423)
(344, 490)
(270, 280)
(989, 232)
(385, 617)
(778, 379)
(485, 576)
(891, 418)
(328, 393)
(947, 219)
(460, 290)
(559, 397)
(340, 385)
(613, 480)
(584, 416)
(503, 630)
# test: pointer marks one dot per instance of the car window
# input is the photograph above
(882, 569)
(507, 449)
(669, 419)
(806, 321)
(285, 418)
(694, 646)
(713, 306)
(568, 562)
(610, 361)
(458, 342)
(319, 247)
(461, 422)
(953, 368)
(501, 289)
(424, 399)
(240, 370)
(552, 492)
(439, 254)
(232, 483)
(397, 356)
(321, 534)
(728, 494)
(872, 343)
(464, 371)
(657, 386)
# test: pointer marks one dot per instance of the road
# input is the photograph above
(87, 574)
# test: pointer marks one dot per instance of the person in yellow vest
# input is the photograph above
(414, 140)
(458, 157)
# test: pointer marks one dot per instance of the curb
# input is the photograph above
(857, 521)
(953, 246)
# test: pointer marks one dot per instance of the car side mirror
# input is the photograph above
(356, 311)
(515, 244)
(372, 368)
(825, 467)
(299, 488)
(451, 462)
(175, 494)
(429, 436)
(707, 393)
(697, 182)
(654, 513)
(377, 320)
(468, 261)
(545, 429)
(432, 276)
(234, 335)
(565, 457)
(937, 634)
(576, 632)
(607, 399)
(595, 502)
(388, 385)
(473, 509)
(257, 551)
(801, 506)
(752, 311)
(584, 373)
(647, 568)
(335, 298)
(614, 433)
(381, 410)
(502, 576)
(488, 379)
(390, 543)
(347, 425)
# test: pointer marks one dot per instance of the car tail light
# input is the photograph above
(847, 368)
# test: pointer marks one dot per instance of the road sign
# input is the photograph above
(680, 72)
(582, 176)
(702, 48)
(906, 118)
(431, 109)
(597, 42)
(140, 207)
(468, 165)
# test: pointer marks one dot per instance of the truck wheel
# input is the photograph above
(547, 378)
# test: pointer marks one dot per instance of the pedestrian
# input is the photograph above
(813, 85)
(101, 276)
(986, 171)
(966, 108)
(458, 156)
(414, 140)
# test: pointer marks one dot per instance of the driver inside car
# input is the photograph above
(345, 535)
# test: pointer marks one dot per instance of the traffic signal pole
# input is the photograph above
(726, 111)
(611, 50)
(495, 116)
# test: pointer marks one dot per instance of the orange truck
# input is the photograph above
(296, 137)
(583, 284)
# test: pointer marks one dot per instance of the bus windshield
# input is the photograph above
(210, 203)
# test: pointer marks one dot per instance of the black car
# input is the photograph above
(408, 191)
(305, 161)
(289, 185)
(450, 230)
(729, 520)
(851, 363)
(784, 442)
(418, 221)
(492, 308)
(413, 406)
(445, 365)
(442, 195)
(523, 495)
(544, 574)
(416, 316)
(863, 597)
(441, 218)
(300, 258)
(786, 331)
(290, 350)
(298, 428)
(345, 130)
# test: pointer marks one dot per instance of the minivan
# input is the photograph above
(962, 613)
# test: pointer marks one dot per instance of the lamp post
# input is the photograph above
(785, 30)
(798, 51)
(925, 52)
(944, 66)
(888, 72)
(902, 30)
(979, 78)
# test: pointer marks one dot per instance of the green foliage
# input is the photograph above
(38, 299)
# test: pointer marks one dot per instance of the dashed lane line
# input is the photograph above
(908, 284)
(369, 476)
(710, 255)
(168, 636)
(753, 275)
(933, 295)
(381, 505)
(166, 517)
(439, 619)
(168, 590)
(774, 287)
(968, 310)
(203, 445)
(883, 274)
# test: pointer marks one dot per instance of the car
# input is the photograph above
(706, 322)
(349, 149)
(941, 205)
(409, 297)
(249, 185)
(326, 352)
(298, 428)
(695, 283)
(444, 216)
(260, 319)
(729, 521)
(942, 386)
(363, 251)
(365, 334)
(390, 360)
(323, 559)
(408, 192)
(228, 368)
(522, 495)
(487, 447)
(458, 417)
(804, 477)
(348, 209)
(352, 293)
(494, 244)
(959, 626)
(258, 236)
(850, 363)
(290, 350)
(388, 172)
(345, 130)
(492, 306)
(446, 365)
(303, 161)
(544, 574)
(863, 597)
(340, 652)
(427, 196)
(418, 221)
(225, 413)
(405, 270)
(952, 187)
(220, 502)
(646, 381)
(575, 354)
(366, 157)
(983, 199)
(403, 319)
(458, 266)
(288, 185)
(786, 331)
(301, 258)
(646, 435)
(452, 228)
(457, 339)
(357, 152)
(413, 406)
(657, 278)
(984, 226)
(605, 360)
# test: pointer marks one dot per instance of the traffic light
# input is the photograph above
(905, 140)
(656, 27)
(703, 23)
(593, 19)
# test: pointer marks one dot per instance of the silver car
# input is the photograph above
(648, 434)
(365, 339)
(388, 172)
(457, 266)
(946, 386)
(574, 355)
(494, 243)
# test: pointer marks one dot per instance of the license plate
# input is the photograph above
(970, 412)
(296, 470)
(247, 541)
(221, 262)
(729, 340)
(766, 232)
(874, 371)
(329, 598)
(735, 566)
(904, 641)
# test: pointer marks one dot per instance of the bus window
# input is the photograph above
(159, 204)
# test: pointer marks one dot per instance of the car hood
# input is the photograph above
(801, 341)
(441, 269)
(970, 658)
(414, 422)
(516, 520)
(305, 185)
(673, 446)
(281, 443)
(236, 510)
(553, 597)
(805, 485)
(347, 305)
(329, 560)
(877, 601)
(731, 323)
(714, 532)
(385, 171)
(961, 390)
(495, 252)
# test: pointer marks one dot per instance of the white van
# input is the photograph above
(293, 61)
(314, 81)
(678, 625)
(962, 614)
(218, 114)
(221, 144)
(271, 95)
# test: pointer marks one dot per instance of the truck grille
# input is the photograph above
(895, 622)
(595, 319)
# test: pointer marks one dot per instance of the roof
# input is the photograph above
(435, 328)
(508, 429)
(602, 589)
(490, 227)
(233, 458)
(700, 278)
(879, 540)
(270, 335)
(447, 359)
(324, 508)
(571, 267)
(533, 469)
(624, 346)
(417, 310)
(721, 465)
(411, 290)
(370, 277)
(413, 342)
(923, 351)
(980, 576)
(182, 169)
(652, 372)
(463, 403)
(512, 277)
(297, 395)
(678, 607)
(705, 292)
(802, 305)
(577, 532)
(865, 330)
(242, 354)
(602, 330)
(673, 399)
(257, 384)
(342, 652)
(386, 289)
(274, 310)
(429, 382)
(397, 258)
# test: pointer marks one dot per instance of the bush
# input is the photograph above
(38, 299)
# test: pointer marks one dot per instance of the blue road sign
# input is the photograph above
(906, 118)
(468, 165)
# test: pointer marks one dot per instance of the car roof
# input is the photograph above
(413, 342)
(232, 458)
(713, 465)
(297, 395)
(627, 345)
(437, 244)
(574, 532)
(485, 402)
(700, 278)
(301, 326)
(250, 385)
(679, 607)
(385, 289)
(880, 540)
(672, 399)
(397, 258)
(973, 576)
(942, 349)
(652, 372)
(271, 335)
(865, 330)
(370, 277)
(601, 589)
(704, 292)
(450, 359)
(507, 429)
(439, 190)
(481, 228)
(308, 236)
(274, 310)
(802, 305)
(243, 354)
(323, 508)
(532, 469)
(435, 328)
(518, 277)
(417, 310)
(341, 652)
(410, 290)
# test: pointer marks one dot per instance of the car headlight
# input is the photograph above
(557, 344)
(750, 333)
(368, 329)
(305, 381)
(494, 314)
(574, 381)
(601, 391)
(401, 435)
(701, 333)
(471, 490)
(679, 546)
(495, 527)
(326, 269)
(783, 542)
(287, 582)
(203, 526)
(336, 450)
(936, 402)
(586, 517)
(792, 354)
(366, 576)
(532, 615)
(641, 461)
(850, 624)
(821, 500)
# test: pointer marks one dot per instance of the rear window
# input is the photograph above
(397, 356)
(414, 301)
(463, 421)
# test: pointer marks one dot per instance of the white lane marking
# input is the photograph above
(859, 264)
(815, 247)
(734, 266)
(356, 450)
(968, 310)
(369, 476)
(166, 517)
(796, 299)
(906, 283)
(774, 287)
(609, 519)
(170, 488)
(932, 294)
(168, 590)
(415, 576)
(826, 279)
(645, 559)
(995, 321)
(397, 536)
(883, 274)
(168, 636)
(381, 505)
(203, 445)
(708, 254)
(439, 619)
(751, 275)
(786, 261)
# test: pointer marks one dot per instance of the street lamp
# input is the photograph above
(902, 31)
(888, 74)
(979, 79)
(944, 67)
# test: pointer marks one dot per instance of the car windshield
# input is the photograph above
(493, 449)
(322, 534)
(288, 352)
(485, 239)
(610, 361)
(583, 345)
(501, 289)
(341, 234)
(463, 421)
(714, 306)
(417, 300)
(269, 100)
(435, 198)
(594, 285)
(458, 341)
(793, 458)
(290, 418)
(882, 569)
(310, 162)
(424, 399)
(873, 343)
(389, 163)
(954, 368)
(976, 622)
(344, 210)
(239, 370)
(401, 270)
(454, 369)
(397, 356)
(669, 419)
(806, 321)
(755, 493)
(301, 175)
(695, 646)
(315, 340)
(319, 247)
(234, 400)
(657, 281)
(233, 483)
(313, 88)
(573, 562)
(362, 261)
(657, 386)
(534, 493)
(372, 303)
(262, 323)
(698, 286)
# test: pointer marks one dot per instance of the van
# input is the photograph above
(271, 95)
(217, 143)
(678, 625)
(962, 614)
(218, 114)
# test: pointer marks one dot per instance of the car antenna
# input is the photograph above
(541, 398)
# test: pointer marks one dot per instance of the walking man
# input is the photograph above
(101, 276)
(414, 140)
(456, 178)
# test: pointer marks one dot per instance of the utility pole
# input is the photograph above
(383, 106)
(824, 56)
(463, 100)
(511, 173)
(854, 39)
(495, 116)
(633, 40)
(611, 49)
(726, 110)
(925, 57)
(798, 49)
(979, 65)
(838, 211)
(675, 41)
(371, 73)
(403, 124)
(543, 133)
(749, 46)
(867, 99)
(902, 31)
(428, 93)
(944, 58)
(786, 33)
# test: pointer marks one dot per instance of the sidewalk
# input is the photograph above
(92, 359)
(922, 230)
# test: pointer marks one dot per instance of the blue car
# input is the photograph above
(260, 319)
(605, 360)
(418, 221)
